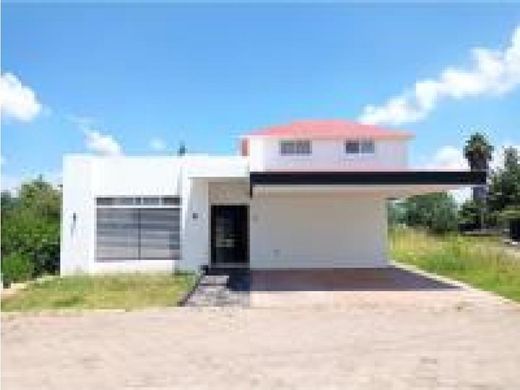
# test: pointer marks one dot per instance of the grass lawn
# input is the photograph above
(119, 291)
(477, 261)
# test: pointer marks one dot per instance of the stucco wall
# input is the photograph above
(77, 221)
(327, 155)
(317, 231)
(134, 176)
(195, 225)
(230, 192)
(87, 177)
(287, 230)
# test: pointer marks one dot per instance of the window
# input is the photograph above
(139, 200)
(359, 147)
(352, 147)
(367, 147)
(295, 147)
(138, 228)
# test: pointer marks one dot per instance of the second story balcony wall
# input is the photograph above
(265, 154)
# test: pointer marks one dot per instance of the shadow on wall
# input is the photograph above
(355, 279)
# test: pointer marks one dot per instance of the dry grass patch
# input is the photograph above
(119, 291)
(480, 262)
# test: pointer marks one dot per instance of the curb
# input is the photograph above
(188, 295)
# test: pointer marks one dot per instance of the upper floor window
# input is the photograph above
(295, 147)
(356, 147)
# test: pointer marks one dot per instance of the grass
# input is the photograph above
(119, 291)
(480, 262)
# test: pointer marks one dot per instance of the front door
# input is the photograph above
(229, 236)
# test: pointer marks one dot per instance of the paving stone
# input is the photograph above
(221, 288)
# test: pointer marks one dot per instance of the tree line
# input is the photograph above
(491, 206)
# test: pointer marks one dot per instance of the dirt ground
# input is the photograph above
(419, 339)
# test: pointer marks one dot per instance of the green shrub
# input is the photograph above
(16, 268)
(31, 225)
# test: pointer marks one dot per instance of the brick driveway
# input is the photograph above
(454, 338)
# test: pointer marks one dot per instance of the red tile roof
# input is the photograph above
(323, 129)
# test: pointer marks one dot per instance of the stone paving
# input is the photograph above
(221, 288)
(456, 338)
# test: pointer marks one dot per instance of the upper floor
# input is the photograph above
(311, 146)
(326, 145)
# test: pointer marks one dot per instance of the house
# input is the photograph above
(309, 194)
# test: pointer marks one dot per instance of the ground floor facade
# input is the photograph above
(184, 213)
(119, 218)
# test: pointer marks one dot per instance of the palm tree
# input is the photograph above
(479, 152)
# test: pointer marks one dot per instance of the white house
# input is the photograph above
(309, 194)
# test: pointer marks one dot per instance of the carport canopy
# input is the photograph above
(389, 184)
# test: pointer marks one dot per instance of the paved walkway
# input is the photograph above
(455, 338)
(221, 288)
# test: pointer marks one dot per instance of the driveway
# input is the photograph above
(393, 338)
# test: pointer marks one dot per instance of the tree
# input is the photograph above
(504, 188)
(436, 212)
(31, 226)
(479, 152)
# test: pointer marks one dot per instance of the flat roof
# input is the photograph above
(380, 179)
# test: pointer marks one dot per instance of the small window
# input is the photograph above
(367, 147)
(359, 147)
(352, 147)
(171, 201)
(105, 201)
(295, 147)
(151, 201)
(129, 201)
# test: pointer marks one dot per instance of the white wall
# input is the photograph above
(264, 153)
(87, 177)
(195, 225)
(77, 233)
(135, 176)
(215, 166)
(287, 230)
(317, 231)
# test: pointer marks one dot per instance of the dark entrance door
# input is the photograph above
(229, 236)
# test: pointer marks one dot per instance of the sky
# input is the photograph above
(139, 79)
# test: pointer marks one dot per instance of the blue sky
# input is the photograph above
(138, 79)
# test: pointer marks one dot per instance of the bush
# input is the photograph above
(31, 225)
(16, 268)
(443, 219)
(437, 212)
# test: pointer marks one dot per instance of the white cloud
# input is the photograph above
(157, 144)
(103, 144)
(82, 122)
(448, 158)
(17, 101)
(494, 72)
